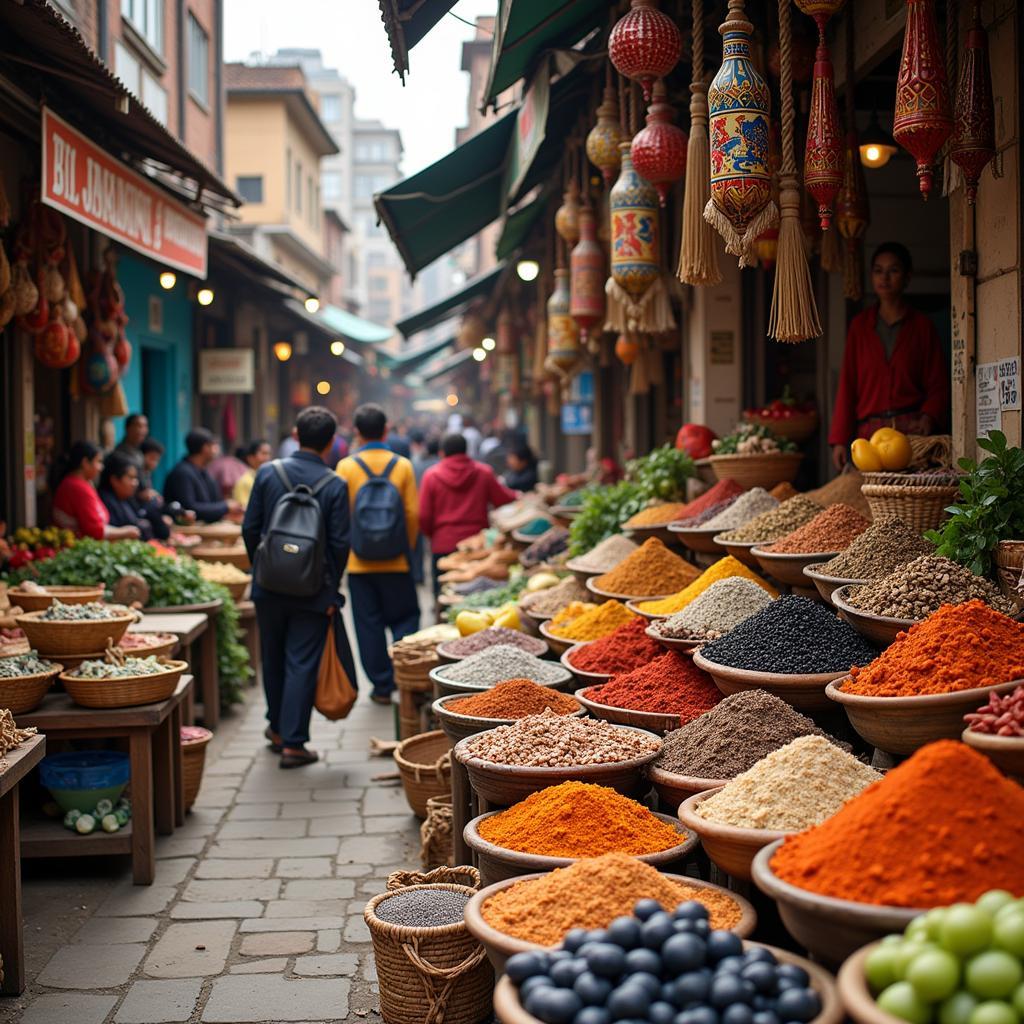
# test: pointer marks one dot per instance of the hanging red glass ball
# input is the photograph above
(645, 44)
(659, 149)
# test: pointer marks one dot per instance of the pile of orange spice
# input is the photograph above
(514, 698)
(650, 570)
(959, 647)
(595, 622)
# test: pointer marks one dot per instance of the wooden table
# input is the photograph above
(188, 627)
(153, 732)
(247, 617)
(20, 761)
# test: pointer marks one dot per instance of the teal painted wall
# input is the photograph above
(159, 379)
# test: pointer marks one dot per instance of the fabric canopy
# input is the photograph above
(407, 362)
(355, 328)
(452, 305)
(518, 226)
(407, 22)
(446, 364)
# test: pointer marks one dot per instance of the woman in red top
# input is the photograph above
(76, 503)
(894, 372)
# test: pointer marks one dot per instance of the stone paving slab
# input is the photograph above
(69, 1008)
(90, 965)
(241, 1000)
(160, 1002)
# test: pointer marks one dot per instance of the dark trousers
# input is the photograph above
(382, 601)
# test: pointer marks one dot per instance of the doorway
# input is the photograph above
(158, 376)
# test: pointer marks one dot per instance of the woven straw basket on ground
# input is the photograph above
(424, 762)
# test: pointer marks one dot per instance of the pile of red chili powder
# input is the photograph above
(622, 651)
(670, 684)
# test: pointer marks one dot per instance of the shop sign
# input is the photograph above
(90, 186)
(987, 398)
(577, 418)
(531, 121)
(582, 387)
(227, 371)
(1009, 384)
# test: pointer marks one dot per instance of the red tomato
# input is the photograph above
(695, 439)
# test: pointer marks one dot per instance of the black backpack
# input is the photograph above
(291, 554)
(378, 516)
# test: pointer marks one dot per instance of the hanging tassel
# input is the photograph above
(831, 251)
(640, 372)
(853, 277)
(952, 177)
(616, 310)
(794, 314)
(698, 253)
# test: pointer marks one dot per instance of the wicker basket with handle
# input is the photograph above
(425, 765)
(434, 974)
(1010, 570)
(919, 499)
(124, 691)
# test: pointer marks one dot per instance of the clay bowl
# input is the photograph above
(580, 677)
(509, 1010)
(444, 687)
(537, 647)
(698, 538)
(879, 630)
(223, 531)
(827, 585)
(531, 624)
(675, 789)
(732, 849)
(806, 692)
(581, 574)
(855, 994)
(507, 784)
(900, 725)
(789, 569)
(740, 550)
(634, 607)
(458, 727)
(608, 595)
(29, 601)
(674, 643)
(829, 929)
(1005, 752)
(662, 532)
(496, 863)
(652, 721)
(500, 946)
(559, 644)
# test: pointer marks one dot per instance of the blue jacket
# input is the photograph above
(302, 468)
(195, 489)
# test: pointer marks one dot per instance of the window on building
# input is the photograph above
(198, 60)
(330, 185)
(250, 187)
(298, 186)
(126, 67)
(330, 107)
(288, 178)
(154, 95)
(311, 205)
(380, 311)
(364, 186)
(147, 18)
(376, 259)
(378, 283)
(139, 82)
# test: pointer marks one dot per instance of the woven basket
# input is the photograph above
(26, 693)
(73, 637)
(412, 669)
(124, 692)
(430, 975)
(424, 762)
(436, 834)
(235, 555)
(160, 645)
(194, 740)
(919, 499)
(28, 601)
(765, 469)
(1010, 570)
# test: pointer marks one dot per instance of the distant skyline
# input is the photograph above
(351, 36)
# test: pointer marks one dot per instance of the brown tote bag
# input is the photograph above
(335, 694)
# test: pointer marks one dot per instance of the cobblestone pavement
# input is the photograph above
(256, 911)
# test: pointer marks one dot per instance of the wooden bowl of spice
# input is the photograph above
(740, 550)
(698, 538)
(559, 644)
(660, 530)
(1005, 752)
(515, 701)
(653, 721)
(829, 928)
(804, 691)
(673, 789)
(583, 678)
(827, 585)
(789, 568)
(879, 630)
(648, 573)
(636, 608)
(589, 894)
(608, 595)
(673, 643)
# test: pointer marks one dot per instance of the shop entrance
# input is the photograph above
(158, 400)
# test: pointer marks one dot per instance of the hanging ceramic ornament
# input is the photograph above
(659, 149)
(586, 280)
(823, 157)
(604, 138)
(740, 207)
(567, 216)
(645, 44)
(974, 128)
(922, 121)
(563, 334)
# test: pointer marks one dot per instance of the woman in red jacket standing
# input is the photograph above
(894, 372)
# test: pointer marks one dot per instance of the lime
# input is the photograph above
(907, 953)
(880, 966)
(994, 900)
(1008, 932)
(957, 1009)
(993, 974)
(934, 974)
(994, 1011)
(902, 1001)
(965, 930)
(1018, 1000)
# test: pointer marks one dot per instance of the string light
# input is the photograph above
(527, 270)
(488, 344)
(479, 355)
(323, 387)
(283, 351)
(204, 296)
(452, 400)
(168, 280)
(337, 348)
(312, 304)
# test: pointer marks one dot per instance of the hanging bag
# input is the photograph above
(335, 694)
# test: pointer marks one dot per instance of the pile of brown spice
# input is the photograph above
(835, 529)
(512, 699)
(649, 571)
(590, 894)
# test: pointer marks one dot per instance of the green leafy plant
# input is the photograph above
(172, 581)
(751, 439)
(662, 474)
(991, 506)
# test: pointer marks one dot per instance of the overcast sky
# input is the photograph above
(351, 35)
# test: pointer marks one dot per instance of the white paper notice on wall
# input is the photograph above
(987, 398)
(1009, 384)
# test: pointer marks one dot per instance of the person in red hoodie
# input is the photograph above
(455, 497)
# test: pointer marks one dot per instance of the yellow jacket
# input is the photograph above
(376, 456)
(243, 488)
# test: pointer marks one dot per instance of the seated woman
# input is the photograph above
(255, 454)
(521, 468)
(119, 485)
(76, 505)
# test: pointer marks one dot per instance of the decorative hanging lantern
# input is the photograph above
(645, 44)
(563, 334)
(659, 149)
(587, 277)
(823, 157)
(633, 204)
(740, 207)
(974, 127)
(627, 348)
(922, 121)
(505, 334)
(567, 216)
(604, 138)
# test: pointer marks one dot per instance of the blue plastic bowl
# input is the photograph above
(78, 780)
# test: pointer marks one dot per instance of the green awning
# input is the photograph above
(452, 305)
(518, 226)
(407, 22)
(407, 362)
(446, 364)
(525, 29)
(435, 210)
(355, 328)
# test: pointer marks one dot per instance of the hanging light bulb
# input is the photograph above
(283, 351)
(337, 348)
(452, 400)
(527, 270)
(876, 146)
(479, 355)
(488, 344)
(312, 304)
(204, 296)
(168, 280)
(323, 387)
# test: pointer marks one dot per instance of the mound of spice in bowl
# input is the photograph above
(577, 819)
(494, 636)
(121, 669)
(656, 515)
(942, 827)
(920, 587)
(603, 557)
(624, 650)
(959, 647)
(790, 789)
(834, 529)
(549, 740)
(707, 505)
(514, 698)
(496, 664)
(24, 665)
(999, 716)
(734, 735)
(572, 611)
(791, 636)
(92, 611)
(723, 569)
(546, 604)
(723, 606)
(651, 569)
(669, 685)
(776, 523)
(595, 623)
(590, 894)
(547, 547)
(883, 547)
(784, 491)
(746, 507)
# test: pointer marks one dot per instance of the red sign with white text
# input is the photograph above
(87, 184)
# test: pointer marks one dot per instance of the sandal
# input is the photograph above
(298, 758)
(275, 741)
(380, 698)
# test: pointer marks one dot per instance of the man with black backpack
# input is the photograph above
(296, 531)
(385, 521)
